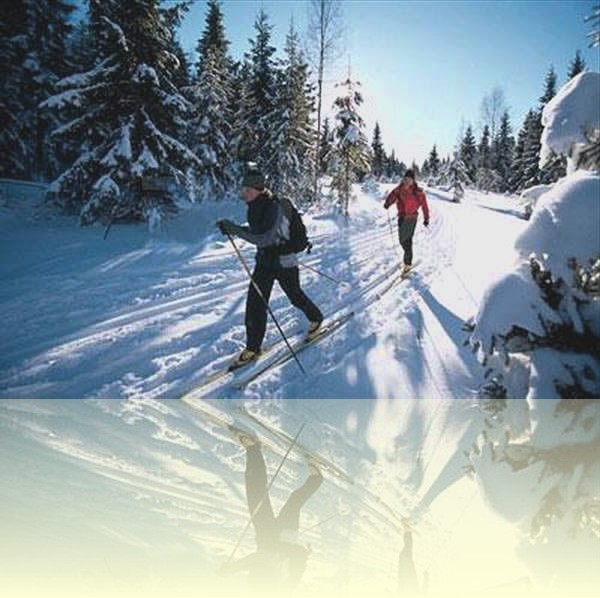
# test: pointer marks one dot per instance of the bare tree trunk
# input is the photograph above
(325, 30)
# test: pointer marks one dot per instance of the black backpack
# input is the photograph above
(298, 241)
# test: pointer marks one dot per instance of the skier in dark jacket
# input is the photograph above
(408, 197)
(268, 228)
(280, 560)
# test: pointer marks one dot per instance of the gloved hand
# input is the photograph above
(226, 226)
(426, 223)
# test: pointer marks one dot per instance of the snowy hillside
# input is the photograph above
(135, 316)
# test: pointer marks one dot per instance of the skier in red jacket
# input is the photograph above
(408, 197)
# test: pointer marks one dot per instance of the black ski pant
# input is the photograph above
(256, 308)
(267, 526)
(406, 231)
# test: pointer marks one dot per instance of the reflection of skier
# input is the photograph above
(280, 560)
(408, 584)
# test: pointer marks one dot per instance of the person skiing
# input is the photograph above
(269, 229)
(408, 197)
(279, 560)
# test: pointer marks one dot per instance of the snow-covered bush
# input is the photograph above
(538, 327)
(529, 197)
(371, 186)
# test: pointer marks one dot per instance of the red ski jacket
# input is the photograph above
(408, 201)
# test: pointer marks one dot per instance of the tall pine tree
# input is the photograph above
(577, 66)
(261, 94)
(213, 40)
(289, 152)
(503, 150)
(379, 157)
(433, 162)
(13, 102)
(468, 154)
(210, 130)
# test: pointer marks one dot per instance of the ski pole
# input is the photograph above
(266, 493)
(257, 288)
(323, 521)
(322, 273)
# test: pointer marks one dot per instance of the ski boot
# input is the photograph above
(244, 358)
(313, 330)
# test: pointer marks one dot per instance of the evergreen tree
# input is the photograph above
(33, 49)
(379, 157)
(549, 88)
(577, 66)
(213, 40)
(516, 179)
(244, 136)
(458, 177)
(13, 49)
(485, 176)
(127, 115)
(262, 93)
(503, 150)
(80, 49)
(433, 164)
(531, 150)
(352, 155)
(468, 153)
(484, 150)
(210, 130)
(289, 151)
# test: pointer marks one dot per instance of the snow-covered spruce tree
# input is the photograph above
(502, 153)
(261, 95)
(468, 154)
(127, 115)
(213, 41)
(485, 179)
(33, 47)
(458, 177)
(433, 164)
(291, 134)
(517, 175)
(243, 134)
(576, 66)
(351, 153)
(210, 130)
(378, 151)
(13, 49)
(538, 327)
(484, 156)
(527, 171)
(424, 171)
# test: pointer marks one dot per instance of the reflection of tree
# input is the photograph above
(538, 463)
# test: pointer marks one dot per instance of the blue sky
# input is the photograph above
(425, 66)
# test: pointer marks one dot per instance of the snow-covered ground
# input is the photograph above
(135, 316)
(145, 497)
